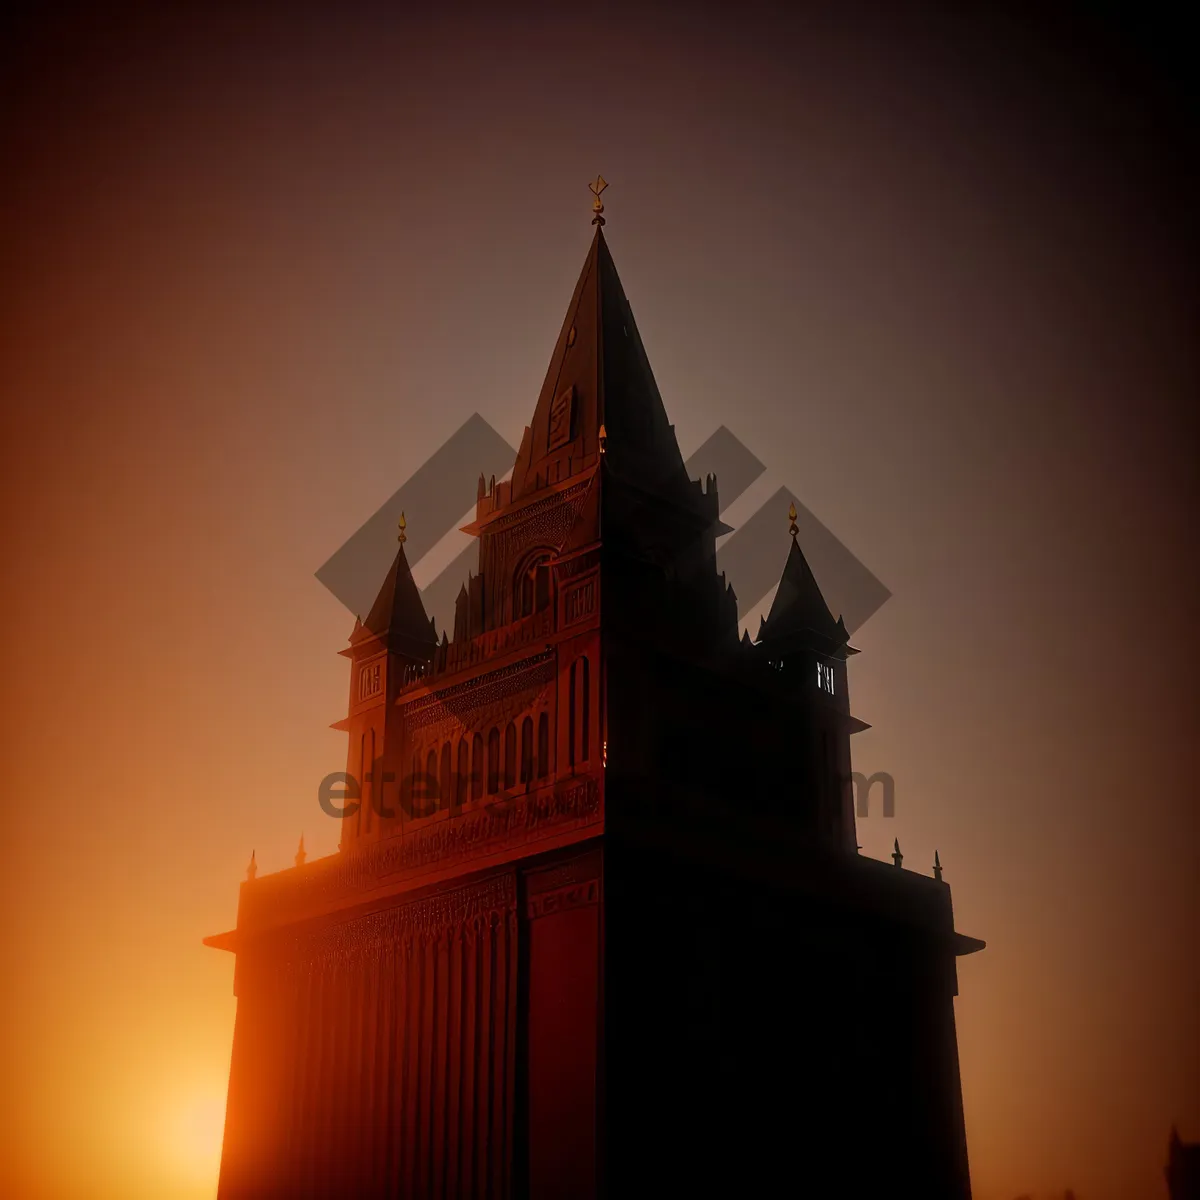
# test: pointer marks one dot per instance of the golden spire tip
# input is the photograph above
(597, 186)
(793, 528)
(403, 537)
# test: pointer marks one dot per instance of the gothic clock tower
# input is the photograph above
(597, 925)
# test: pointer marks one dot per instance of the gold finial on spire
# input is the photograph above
(300, 855)
(603, 437)
(252, 869)
(793, 528)
(403, 537)
(597, 207)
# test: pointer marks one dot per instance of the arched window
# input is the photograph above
(464, 773)
(477, 767)
(429, 789)
(493, 762)
(445, 792)
(543, 758)
(510, 756)
(527, 750)
(531, 587)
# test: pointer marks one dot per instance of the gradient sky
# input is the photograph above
(939, 275)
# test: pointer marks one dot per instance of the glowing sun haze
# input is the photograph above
(935, 274)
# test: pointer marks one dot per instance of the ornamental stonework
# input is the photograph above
(462, 912)
(546, 523)
(459, 703)
(497, 826)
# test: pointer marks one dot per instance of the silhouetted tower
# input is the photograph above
(613, 934)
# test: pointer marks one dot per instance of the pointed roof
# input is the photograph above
(599, 376)
(398, 616)
(799, 613)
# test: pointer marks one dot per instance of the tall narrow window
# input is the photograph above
(543, 767)
(527, 750)
(429, 788)
(585, 728)
(371, 790)
(364, 799)
(493, 762)
(413, 788)
(571, 715)
(510, 756)
(477, 767)
(444, 783)
(464, 773)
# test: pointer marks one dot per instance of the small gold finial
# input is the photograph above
(793, 528)
(603, 438)
(597, 207)
(252, 869)
(403, 537)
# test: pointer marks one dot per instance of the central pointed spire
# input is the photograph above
(599, 395)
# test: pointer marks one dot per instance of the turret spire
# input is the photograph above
(799, 612)
(398, 616)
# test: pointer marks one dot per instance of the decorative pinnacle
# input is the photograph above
(937, 866)
(897, 857)
(300, 855)
(252, 869)
(403, 536)
(793, 528)
(603, 437)
(597, 207)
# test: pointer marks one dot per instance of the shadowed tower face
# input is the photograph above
(597, 922)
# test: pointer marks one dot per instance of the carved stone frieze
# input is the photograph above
(458, 704)
(463, 912)
(546, 523)
(461, 838)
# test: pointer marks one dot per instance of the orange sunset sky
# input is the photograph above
(937, 272)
